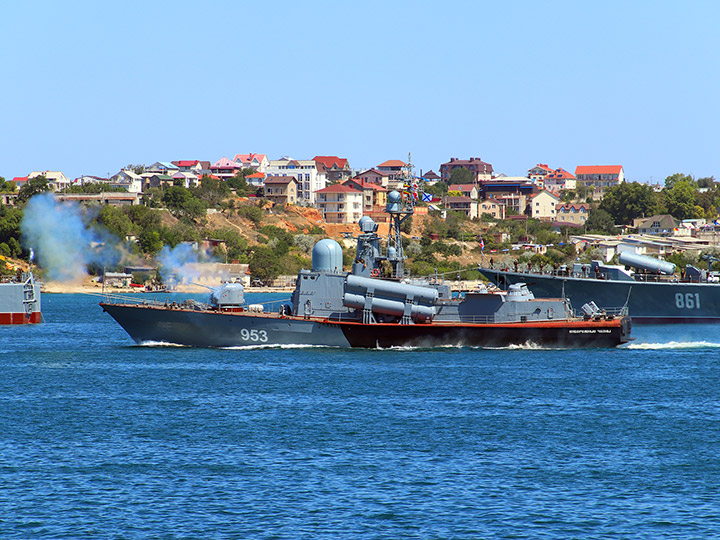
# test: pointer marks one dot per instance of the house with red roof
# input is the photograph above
(194, 165)
(340, 203)
(374, 176)
(19, 181)
(336, 169)
(599, 176)
(225, 168)
(256, 180)
(479, 169)
(539, 172)
(259, 162)
(559, 180)
(395, 170)
(374, 195)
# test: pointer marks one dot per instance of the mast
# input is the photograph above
(400, 206)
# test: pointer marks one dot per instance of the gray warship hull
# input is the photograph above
(333, 308)
(648, 302)
(148, 324)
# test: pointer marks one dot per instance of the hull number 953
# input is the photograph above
(687, 300)
(254, 335)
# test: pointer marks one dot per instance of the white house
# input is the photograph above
(56, 179)
(310, 178)
(127, 179)
(543, 205)
(340, 204)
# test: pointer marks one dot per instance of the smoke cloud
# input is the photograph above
(181, 263)
(63, 241)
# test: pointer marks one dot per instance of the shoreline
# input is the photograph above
(97, 289)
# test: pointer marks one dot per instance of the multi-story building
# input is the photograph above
(539, 172)
(340, 203)
(576, 214)
(492, 207)
(309, 177)
(281, 190)
(512, 192)
(599, 176)
(374, 196)
(466, 205)
(336, 169)
(375, 176)
(543, 205)
(479, 169)
(559, 180)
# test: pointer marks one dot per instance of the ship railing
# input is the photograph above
(605, 313)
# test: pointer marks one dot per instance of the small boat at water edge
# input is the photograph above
(20, 300)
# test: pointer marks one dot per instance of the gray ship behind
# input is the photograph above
(651, 289)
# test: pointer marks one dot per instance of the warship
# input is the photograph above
(333, 308)
(20, 300)
(651, 289)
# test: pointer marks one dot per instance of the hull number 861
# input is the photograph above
(687, 300)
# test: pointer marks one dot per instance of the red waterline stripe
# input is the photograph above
(20, 318)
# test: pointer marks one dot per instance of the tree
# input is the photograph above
(182, 203)
(251, 212)
(706, 182)
(38, 184)
(265, 265)
(150, 242)
(600, 221)
(673, 179)
(438, 189)
(7, 186)
(680, 199)
(115, 220)
(629, 200)
(461, 176)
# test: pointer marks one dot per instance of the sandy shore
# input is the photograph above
(52, 287)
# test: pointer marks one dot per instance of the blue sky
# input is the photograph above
(88, 87)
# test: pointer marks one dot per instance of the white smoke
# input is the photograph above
(63, 242)
(182, 263)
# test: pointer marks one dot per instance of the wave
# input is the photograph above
(673, 345)
(275, 346)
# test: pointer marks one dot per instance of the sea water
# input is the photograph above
(101, 438)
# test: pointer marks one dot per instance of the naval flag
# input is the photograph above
(427, 197)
